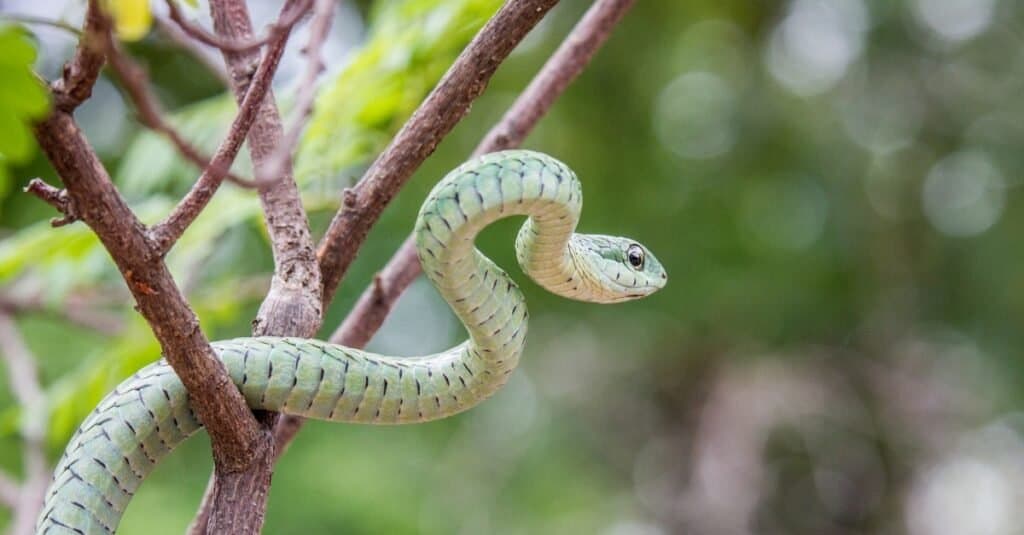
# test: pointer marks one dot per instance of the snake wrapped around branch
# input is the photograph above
(147, 415)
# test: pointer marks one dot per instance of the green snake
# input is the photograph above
(147, 415)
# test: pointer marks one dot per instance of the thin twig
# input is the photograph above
(572, 56)
(199, 51)
(23, 377)
(282, 24)
(24, 380)
(167, 232)
(80, 73)
(77, 313)
(148, 109)
(323, 13)
(57, 198)
(42, 21)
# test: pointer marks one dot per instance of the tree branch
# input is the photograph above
(77, 313)
(241, 44)
(418, 138)
(199, 51)
(217, 402)
(56, 198)
(80, 74)
(235, 501)
(148, 109)
(323, 12)
(168, 231)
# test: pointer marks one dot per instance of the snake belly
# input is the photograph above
(147, 415)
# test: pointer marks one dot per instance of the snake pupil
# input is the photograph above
(635, 255)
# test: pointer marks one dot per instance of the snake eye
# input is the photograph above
(635, 255)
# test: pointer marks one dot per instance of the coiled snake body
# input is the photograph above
(146, 416)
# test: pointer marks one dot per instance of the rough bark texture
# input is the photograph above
(213, 396)
(235, 501)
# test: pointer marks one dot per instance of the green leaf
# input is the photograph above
(22, 97)
(410, 45)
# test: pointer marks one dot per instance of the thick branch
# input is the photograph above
(418, 138)
(235, 501)
(216, 401)
(214, 397)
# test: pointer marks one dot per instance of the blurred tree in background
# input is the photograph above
(831, 184)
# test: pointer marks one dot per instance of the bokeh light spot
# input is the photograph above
(693, 116)
(811, 49)
(964, 194)
(955, 20)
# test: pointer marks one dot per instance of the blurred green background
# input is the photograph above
(832, 185)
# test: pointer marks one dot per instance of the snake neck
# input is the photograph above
(482, 295)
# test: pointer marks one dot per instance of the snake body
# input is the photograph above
(147, 415)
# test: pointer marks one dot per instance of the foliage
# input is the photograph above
(22, 99)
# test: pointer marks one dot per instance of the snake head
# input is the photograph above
(621, 269)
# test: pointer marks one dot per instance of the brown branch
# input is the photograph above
(80, 74)
(246, 44)
(235, 501)
(168, 231)
(572, 56)
(323, 13)
(216, 401)
(148, 109)
(363, 204)
(199, 51)
(418, 138)
(56, 198)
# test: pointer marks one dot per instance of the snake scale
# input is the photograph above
(147, 415)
